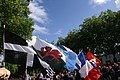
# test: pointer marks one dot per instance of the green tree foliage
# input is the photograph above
(14, 15)
(99, 33)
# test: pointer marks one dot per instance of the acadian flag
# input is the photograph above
(94, 74)
(84, 66)
(70, 57)
(50, 53)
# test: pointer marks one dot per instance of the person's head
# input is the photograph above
(110, 67)
(118, 63)
(115, 64)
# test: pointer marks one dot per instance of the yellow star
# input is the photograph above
(81, 58)
(66, 56)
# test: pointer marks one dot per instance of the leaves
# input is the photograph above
(14, 15)
(99, 33)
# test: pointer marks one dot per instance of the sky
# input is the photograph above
(56, 18)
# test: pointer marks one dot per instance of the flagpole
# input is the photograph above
(37, 53)
(26, 69)
(26, 77)
(3, 45)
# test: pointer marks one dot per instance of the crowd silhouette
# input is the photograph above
(109, 71)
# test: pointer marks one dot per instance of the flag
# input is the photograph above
(70, 57)
(84, 66)
(94, 59)
(47, 69)
(94, 74)
(17, 50)
(50, 53)
(80, 60)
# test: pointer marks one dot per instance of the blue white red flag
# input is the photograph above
(94, 74)
(85, 65)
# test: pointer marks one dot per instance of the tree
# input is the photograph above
(14, 15)
(99, 33)
(70, 41)
(103, 31)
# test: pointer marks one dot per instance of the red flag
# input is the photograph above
(93, 74)
(91, 57)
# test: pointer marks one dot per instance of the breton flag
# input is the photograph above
(84, 66)
(46, 67)
(17, 50)
(50, 53)
(70, 57)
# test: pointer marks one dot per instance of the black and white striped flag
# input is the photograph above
(17, 50)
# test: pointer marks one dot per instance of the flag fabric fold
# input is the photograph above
(80, 60)
(94, 74)
(85, 66)
(47, 67)
(17, 51)
(44, 64)
(70, 57)
(41, 44)
(94, 59)
(50, 53)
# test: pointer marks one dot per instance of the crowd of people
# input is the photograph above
(108, 72)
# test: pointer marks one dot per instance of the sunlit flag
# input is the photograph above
(50, 53)
(70, 57)
(17, 50)
(85, 66)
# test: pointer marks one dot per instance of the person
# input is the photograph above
(54, 77)
(78, 75)
(39, 77)
(111, 73)
(116, 69)
(4, 73)
(65, 77)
